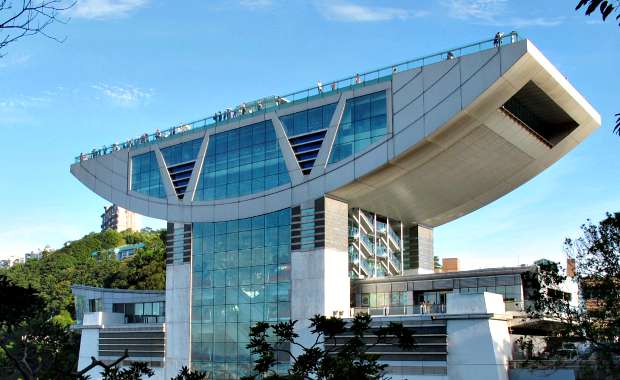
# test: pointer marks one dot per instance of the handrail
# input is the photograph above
(267, 104)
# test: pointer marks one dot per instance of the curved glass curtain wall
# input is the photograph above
(241, 162)
(364, 122)
(145, 175)
(309, 120)
(306, 131)
(181, 153)
(180, 160)
(241, 275)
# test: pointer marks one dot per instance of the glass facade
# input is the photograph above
(142, 312)
(241, 275)
(375, 245)
(309, 120)
(180, 160)
(240, 162)
(180, 153)
(145, 175)
(364, 122)
(306, 131)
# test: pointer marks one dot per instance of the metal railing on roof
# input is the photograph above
(268, 104)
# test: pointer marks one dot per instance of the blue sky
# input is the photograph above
(132, 66)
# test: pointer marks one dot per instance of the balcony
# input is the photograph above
(387, 311)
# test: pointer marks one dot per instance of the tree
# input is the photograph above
(436, 263)
(25, 18)
(597, 271)
(324, 359)
(33, 342)
(605, 8)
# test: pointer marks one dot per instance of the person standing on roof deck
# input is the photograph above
(450, 55)
(334, 86)
(215, 117)
(358, 79)
(497, 41)
(219, 115)
(319, 86)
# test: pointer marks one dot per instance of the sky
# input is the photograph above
(131, 66)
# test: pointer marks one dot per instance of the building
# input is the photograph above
(122, 252)
(5, 263)
(33, 255)
(277, 209)
(112, 320)
(450, 264)
(119, 219)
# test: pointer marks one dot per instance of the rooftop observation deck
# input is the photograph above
(270, 103)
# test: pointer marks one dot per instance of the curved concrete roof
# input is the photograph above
(451, 148)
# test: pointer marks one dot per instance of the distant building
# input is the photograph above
(33, 255)
(122, 252)
(119, 219)
(450, 264)
(5, 263)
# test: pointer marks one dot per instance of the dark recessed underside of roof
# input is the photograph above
(534, 108)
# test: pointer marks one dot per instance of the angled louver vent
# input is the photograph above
(306, 131)
(180, 175)
(180, 160)
(306, 148)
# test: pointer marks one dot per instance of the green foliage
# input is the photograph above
(32, 342)
(323, 359)
(135, 372)
(186, 374)
(597, 271)
(436, 263)
(37, 305)
(52, 276)
(604, 7)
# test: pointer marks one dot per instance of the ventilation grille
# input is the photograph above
(180, 175)
(306, 148)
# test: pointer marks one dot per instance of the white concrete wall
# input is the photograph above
(178, 306)
(478, 346)
(89, 344)
(320, 285)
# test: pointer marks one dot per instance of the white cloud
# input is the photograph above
(124, 96)
(494, 12)
(255, 4)
(486, 10)
(105, 9)
(536, 21)
(349, 12)
(14, 60)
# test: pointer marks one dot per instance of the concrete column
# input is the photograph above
(89, 347)
(320, 277)
(178, 306)
(478, 338)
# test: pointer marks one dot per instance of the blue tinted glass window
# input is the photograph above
(249, 283)
(241, 162)
(309, 120)
(364, 122)
(145, 175)
(184, 152)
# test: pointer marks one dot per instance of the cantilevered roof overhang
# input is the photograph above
(462, 132)
(466, 150)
